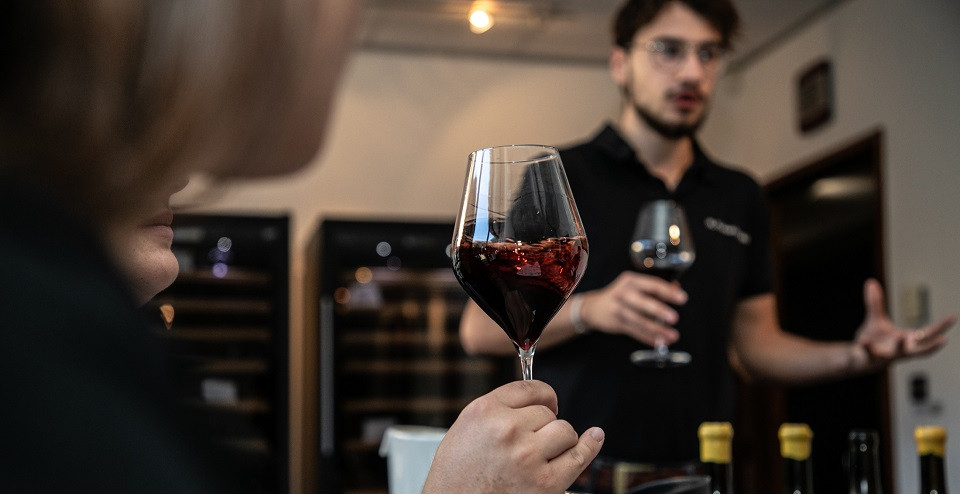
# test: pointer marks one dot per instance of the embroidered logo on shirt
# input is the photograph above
(727, 229)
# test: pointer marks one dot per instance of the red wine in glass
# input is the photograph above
(662, 247)
(521, 286)
(669, 267)
(519, 248)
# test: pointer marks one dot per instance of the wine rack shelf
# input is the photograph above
(216, 335)
(419, 367)
(226, 307)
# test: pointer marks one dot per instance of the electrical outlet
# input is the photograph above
(915, 304)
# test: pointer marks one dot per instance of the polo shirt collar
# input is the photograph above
(610, 141)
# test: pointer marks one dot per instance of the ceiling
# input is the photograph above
(550, 30)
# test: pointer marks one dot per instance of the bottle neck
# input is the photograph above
(721, 477)
(864, 469)
(797, 476)
(932, 475)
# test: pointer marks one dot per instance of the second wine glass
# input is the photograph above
(519, 248)
(662, 247)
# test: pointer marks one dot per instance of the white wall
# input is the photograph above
(398, 146)
(897, 68)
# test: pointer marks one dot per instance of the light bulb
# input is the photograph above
(480, 20)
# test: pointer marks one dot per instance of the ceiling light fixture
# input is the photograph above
(480, 18)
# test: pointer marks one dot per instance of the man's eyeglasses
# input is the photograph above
(669, 54)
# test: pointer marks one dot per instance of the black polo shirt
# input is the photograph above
(653, 414)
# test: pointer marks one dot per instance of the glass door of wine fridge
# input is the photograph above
(387, 311)
(225, 324)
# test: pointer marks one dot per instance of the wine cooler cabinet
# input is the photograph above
(387, 311)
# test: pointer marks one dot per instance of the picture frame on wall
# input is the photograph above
(815, 96)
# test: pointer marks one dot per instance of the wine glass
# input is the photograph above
(662, 247)
(519, 248)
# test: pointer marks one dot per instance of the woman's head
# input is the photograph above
(104, 101)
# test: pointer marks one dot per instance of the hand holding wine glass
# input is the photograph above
(476, 456)
(662, 247)
(519, 248)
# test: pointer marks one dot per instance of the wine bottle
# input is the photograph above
(931, 446)
(795, 441)
(864, 462)
(716, 456)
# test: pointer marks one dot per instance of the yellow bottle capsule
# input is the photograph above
(715, 442)
(931, 440)
(795, 441)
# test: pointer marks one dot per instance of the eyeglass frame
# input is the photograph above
(710, 55)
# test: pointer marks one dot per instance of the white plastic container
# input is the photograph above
(409, 450)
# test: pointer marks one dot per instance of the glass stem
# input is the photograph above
(660, 346)
(526, 361)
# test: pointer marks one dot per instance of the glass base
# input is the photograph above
(660, 358)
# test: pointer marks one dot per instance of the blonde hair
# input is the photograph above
(104, 99)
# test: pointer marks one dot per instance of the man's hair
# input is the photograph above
(634, 14)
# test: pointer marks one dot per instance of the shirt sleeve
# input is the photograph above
(759, 276)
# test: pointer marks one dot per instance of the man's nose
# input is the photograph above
(691, 67)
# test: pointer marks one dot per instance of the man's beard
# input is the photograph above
(666, 130)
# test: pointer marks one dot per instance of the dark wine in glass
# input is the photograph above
(517, 279)
(519, 246)
(662, 247)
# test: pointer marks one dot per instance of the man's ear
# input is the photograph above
(618, 65)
